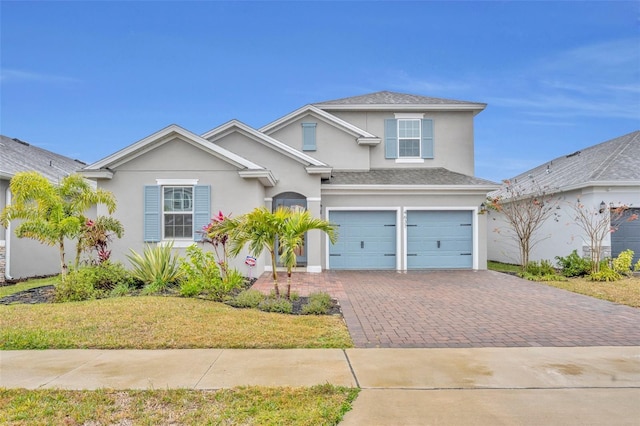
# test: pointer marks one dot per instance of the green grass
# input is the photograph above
(625, 291)
(8, 290)
(157, 322)
(317, 405)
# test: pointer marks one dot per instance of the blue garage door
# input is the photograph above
(627, 237)
(439, 239)
(366, 240)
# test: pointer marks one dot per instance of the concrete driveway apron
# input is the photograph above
(456, 309)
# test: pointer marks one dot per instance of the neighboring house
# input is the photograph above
(394, 172)
(607, 175)
(24, 257)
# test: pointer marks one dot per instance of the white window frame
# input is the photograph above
(418, 138)
(185, 213)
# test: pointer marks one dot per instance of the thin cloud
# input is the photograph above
(14, 75)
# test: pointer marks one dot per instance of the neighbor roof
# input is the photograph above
(19, 156)
(610, 163)
(426, 176)
(378, 100)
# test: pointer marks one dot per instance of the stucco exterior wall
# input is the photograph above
(558, 237)
(425, 201)
(453, 139)
(230, 193)
(334, 146)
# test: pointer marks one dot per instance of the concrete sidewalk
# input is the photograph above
(583, 385)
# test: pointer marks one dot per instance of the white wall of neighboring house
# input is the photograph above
(560, 234)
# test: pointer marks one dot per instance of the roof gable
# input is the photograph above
(238, 126)
(18, 156)
(162, 136)
(320, 114)
(399, 101)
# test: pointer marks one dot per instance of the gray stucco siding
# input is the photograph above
(334, 146)
(453, 139)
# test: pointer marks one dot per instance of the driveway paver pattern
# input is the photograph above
(456, 309)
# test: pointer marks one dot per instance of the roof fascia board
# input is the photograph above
(325, 116)
(264, 176)
(476, 108)
(235, 125)
(97, 174)
(330, 189)
(163, 136)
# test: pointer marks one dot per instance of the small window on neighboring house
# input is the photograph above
(177, 212)
(409, 138)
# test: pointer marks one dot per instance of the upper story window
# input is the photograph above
(177, 212)
(409, 138)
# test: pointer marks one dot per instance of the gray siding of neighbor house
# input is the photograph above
(333, 146)
(453, 138)
(404, 202)
(177, 159)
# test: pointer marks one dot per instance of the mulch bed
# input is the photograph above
(46, 294)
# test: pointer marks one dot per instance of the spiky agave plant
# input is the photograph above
(157, 268)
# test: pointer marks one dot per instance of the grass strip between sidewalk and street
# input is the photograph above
(157, 322)
(317, 405)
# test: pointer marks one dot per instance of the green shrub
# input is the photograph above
(574, 265)
(277, 304)
(541, 271)
(606, 273)
(622, 263)
(247, 299)
(122, 289)
(318, 304)
(74, 287)
(202, 276)
(106, 275)
(156, 267)
(636, 268)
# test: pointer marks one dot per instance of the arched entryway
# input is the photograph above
(293, 200)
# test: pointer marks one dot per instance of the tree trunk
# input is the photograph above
(63, 265)
(274, 273)
(289, 284)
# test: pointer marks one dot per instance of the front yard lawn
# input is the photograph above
(625, 291)
(157, 322)
(317, 405)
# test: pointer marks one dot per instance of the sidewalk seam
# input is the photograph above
(208, 369)
(353, 373)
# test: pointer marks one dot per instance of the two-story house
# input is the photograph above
(394, 172)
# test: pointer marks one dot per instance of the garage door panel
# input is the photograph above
(366, 240)
(627, 237)
(439, 239)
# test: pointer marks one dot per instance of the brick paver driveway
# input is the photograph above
(478, 309)
(469, 309)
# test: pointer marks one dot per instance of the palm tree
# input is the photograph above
(296, 225)
(50, 213)
(261, 229)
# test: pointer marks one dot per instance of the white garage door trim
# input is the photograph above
(474, 218)
(397, 210)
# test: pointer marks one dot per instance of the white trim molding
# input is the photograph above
(408, 115)
(184, 182)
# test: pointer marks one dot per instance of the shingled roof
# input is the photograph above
(394, 98)
(18, 156)
(424, 176)
(614, 162)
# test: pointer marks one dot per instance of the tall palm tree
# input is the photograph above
(50, 213)
(291, 239)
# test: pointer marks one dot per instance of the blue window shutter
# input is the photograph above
(308, 136)
(201, 209)
(390, 138)
(426, 147)
(152, 214)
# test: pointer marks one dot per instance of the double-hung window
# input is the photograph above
(177, 212)
(409, 138)
(176, 209)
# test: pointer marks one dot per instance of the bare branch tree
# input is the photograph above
(526, 206)
(597, 223)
